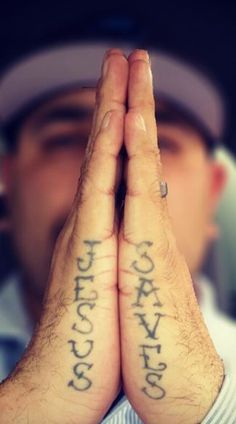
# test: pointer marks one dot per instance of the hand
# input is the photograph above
(71, 371)
(171, 371)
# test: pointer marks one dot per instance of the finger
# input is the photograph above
(140, 91)
(97, 184)
(112, 87)
(98, 172)
(144, 171)
(145, 212)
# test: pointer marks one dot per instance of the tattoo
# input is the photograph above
(85, 301)
(87, 325)
(91, 254)
(148, 357)
(76, 352)
(154, 391)
(84, 382)
(150, 353)
(147, 262)
(150, 333)
(146, 288)
(78, 286)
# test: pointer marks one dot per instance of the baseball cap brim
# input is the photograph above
(58, 68)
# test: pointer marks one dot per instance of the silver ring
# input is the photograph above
(163, 188)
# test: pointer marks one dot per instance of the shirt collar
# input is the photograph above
(15, 322)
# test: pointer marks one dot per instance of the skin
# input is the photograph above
(194, 183)
(44, 162)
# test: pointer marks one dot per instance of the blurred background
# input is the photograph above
(199, 32)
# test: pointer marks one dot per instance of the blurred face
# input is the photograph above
(42, 177)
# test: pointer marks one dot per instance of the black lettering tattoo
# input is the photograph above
(78, 286)
(155, 391)
(146, 288)
(91, 254)
(147, 264)
(87, 326)
(160, 366)
(76, 351)
(83, 382)
(84, 305)
(151, 333)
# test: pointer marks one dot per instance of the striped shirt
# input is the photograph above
(222, 412)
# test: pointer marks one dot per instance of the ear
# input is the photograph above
(218, 179)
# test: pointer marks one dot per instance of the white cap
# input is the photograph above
(57, 68)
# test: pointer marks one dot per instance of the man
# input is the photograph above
(119, 298)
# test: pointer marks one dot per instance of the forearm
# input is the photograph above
(171, 370)
(176, 374)
(64, 375)
(62, 370)
(20, 403)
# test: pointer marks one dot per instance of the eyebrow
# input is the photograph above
(166, 117)
(172, 117)
(64, 113)
(61, 114)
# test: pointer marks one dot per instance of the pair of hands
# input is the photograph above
(120, 299)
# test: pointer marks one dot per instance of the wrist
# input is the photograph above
(188, 396)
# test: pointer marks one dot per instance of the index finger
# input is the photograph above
(144, 164)
(140, 91)
(112, 88)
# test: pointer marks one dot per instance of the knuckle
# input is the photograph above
(94, 181)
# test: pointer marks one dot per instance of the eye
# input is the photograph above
(168, 145)
(64, 141)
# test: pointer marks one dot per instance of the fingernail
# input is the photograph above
(139, 121)
(106, 120)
